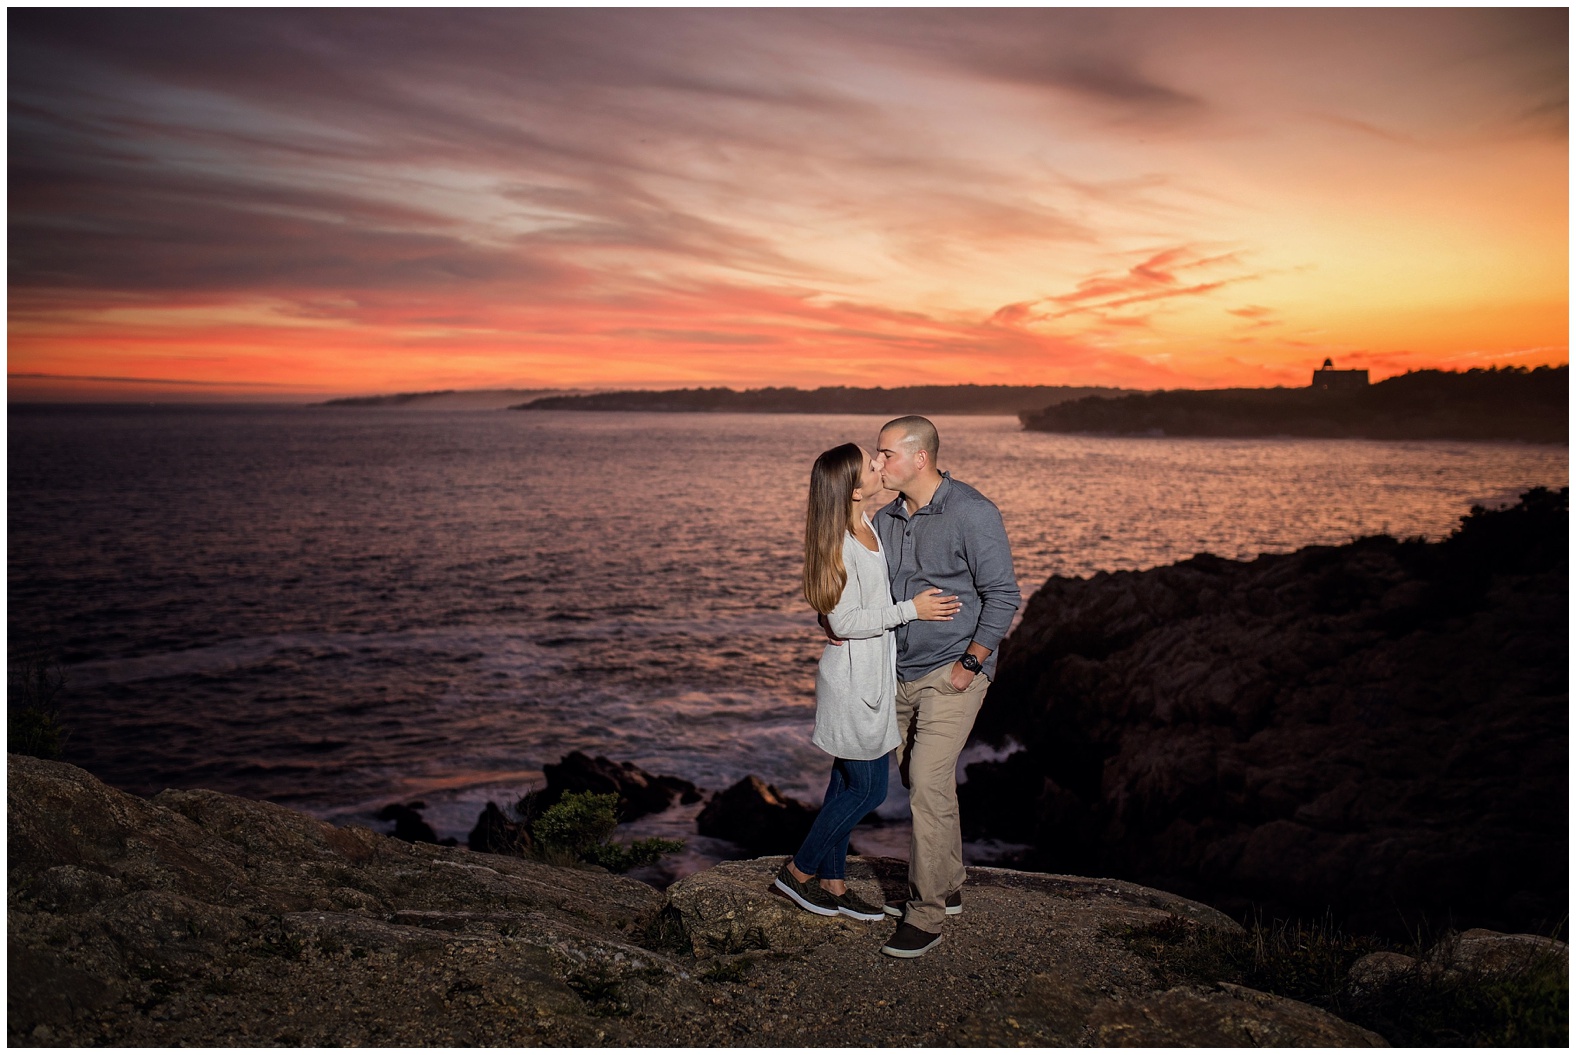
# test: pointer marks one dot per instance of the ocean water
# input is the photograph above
(339, 608)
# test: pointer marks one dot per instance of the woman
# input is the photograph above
(845, 579)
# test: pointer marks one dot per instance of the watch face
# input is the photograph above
(970, 663)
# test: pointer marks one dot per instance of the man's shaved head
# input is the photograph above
(919, 432)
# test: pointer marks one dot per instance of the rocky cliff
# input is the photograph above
(197, 918)
(1379, 729)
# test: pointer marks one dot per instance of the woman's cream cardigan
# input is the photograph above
(856, 683)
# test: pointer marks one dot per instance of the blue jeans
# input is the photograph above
(857, 787)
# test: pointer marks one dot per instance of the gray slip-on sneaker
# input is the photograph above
(851, 904)
(808, 896)
(908, 941)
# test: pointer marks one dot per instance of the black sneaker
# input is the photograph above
(954, 905)
(851, 904)
(809, 896)
(908, 941)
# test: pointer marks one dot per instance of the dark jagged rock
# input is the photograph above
(639, 793)
(408, 823)
(1378, 728)
(756, 816)
(686, 792)
(495, 833)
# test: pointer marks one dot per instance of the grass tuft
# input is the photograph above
(600, 989)
(723, 971)
(666, 933)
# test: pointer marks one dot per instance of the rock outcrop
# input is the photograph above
(409, 823)
(639, 793)
(1378, 728)
(756, 816)
(497, 833)
(200, 918)
(197, 918)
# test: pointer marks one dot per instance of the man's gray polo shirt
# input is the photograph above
(956, 542)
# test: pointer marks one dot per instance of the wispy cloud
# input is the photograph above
(559, 195)
(159, 381)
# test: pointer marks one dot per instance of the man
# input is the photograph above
(939, 532)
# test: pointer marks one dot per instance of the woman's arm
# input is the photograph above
(849, 620)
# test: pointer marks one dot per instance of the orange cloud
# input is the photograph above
(352, 201)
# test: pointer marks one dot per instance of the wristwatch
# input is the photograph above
(970, 664)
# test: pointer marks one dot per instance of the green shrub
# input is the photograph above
(577, 822)
(579, 827)
(617, 858)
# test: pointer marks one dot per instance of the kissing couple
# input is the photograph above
(915, 595)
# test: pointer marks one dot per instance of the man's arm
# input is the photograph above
(989, 558)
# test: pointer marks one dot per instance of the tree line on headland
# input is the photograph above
(1510, 403)
(1501, 403)
(913, 399)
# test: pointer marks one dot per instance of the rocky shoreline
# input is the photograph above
(1375, 732)
(197, 918)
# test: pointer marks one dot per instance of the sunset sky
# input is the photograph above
(282, 204)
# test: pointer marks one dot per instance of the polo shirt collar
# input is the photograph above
(937, 503)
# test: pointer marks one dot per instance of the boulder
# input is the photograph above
(733, 907)
(1376, 971)
(1483, 951)
(685, 791)
(756, 816)
(1476, 952)
(408, 822)
(495, 833)
(639, 793)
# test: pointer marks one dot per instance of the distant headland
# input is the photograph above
(913, 399)
(444, 399)
(1509, 403)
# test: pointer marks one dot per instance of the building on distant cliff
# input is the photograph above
(1327, 377)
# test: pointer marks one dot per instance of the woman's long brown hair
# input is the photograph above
(832, 483)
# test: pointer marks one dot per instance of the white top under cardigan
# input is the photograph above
(856, 683)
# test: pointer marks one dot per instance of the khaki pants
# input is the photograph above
(935, 720)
